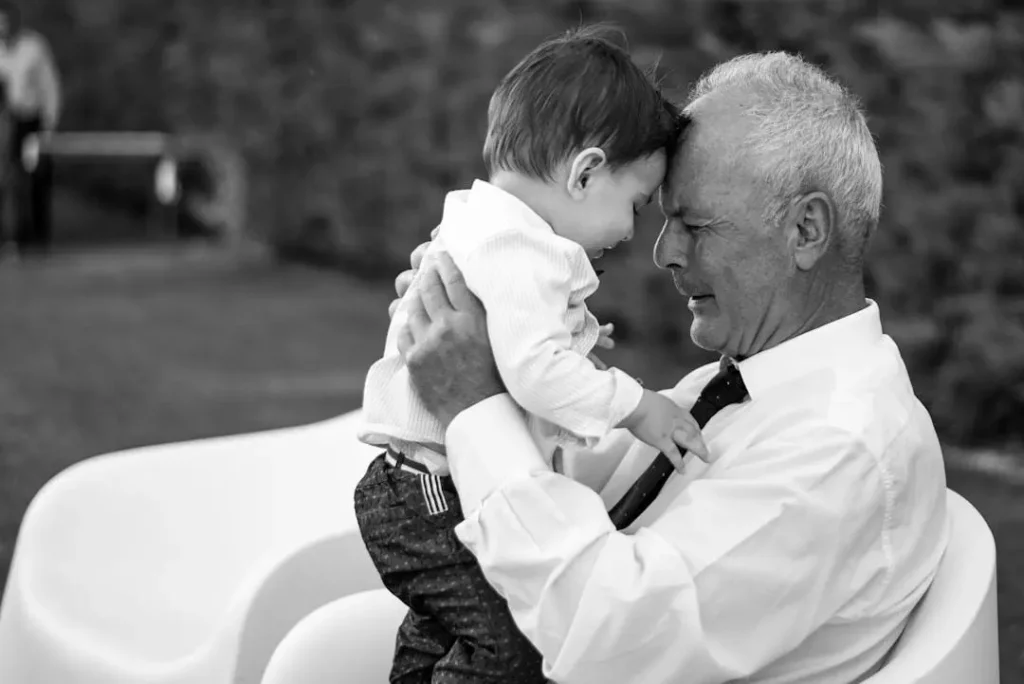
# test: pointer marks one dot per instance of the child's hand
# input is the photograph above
(604, 336)
(660, 422)
(598, 363)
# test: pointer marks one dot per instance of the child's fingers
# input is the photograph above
(672, 452)
(605, 343)
(690, 438)
(598, 363)
(606, 330)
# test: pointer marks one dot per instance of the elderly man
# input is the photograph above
(798, 554)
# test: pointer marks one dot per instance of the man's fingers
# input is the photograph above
(417, 320)
(606, 330)
(403, 282)
(416, 258)
(605, 343)
(405, 342)
(432, 292)
(692, 441)
(458, 293)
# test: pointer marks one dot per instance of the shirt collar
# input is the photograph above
(836, 343)
(494, 198)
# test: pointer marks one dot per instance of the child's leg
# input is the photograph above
(386, 523)
(458, 626)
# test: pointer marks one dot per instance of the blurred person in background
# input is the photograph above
(31, 84)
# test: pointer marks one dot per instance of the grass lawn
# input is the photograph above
(106, 351)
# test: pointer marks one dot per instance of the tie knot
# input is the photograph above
(725, 388)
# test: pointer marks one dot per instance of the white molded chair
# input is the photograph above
(951, 637)
(953, 633)
(184, 563)
(189, 563)
(351, 640)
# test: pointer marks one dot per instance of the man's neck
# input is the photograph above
(846, 298)
(838, 299)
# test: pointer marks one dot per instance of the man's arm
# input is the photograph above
(737, 573)
(49, 84)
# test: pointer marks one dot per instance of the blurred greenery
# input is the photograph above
(354, 117)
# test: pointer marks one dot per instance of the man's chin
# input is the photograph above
(703, 333)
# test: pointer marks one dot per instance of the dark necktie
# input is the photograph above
(725, 388)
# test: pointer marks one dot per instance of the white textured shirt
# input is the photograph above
(796, 557)
(29, 74)
(534, 285)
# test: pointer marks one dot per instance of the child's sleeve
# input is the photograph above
(524, 280)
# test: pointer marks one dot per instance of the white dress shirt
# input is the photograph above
(30, 77)
(534, 285)
(796, 557)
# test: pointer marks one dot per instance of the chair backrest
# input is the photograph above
(952, 635)
(350, 640)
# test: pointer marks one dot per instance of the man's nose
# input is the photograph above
(672, 248)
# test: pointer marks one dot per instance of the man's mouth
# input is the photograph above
(698, 301)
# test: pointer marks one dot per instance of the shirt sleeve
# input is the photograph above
(742, 567)
(525, 282)
(49, 83)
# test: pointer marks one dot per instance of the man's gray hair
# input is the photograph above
(811, 135)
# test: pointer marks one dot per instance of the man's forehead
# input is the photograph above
(682, 181)
(708, 155)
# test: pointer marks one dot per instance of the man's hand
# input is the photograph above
(444, 342)
(604, 336)
(404, 279)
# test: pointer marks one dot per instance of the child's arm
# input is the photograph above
(524, 279)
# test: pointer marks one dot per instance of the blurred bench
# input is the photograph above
(163, 148)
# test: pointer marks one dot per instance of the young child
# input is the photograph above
(577, 142)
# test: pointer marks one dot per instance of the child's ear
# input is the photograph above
(582, 170)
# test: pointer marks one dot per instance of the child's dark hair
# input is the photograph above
(576, 91)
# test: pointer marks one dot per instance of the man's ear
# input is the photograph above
(812, 222)
(582, 170)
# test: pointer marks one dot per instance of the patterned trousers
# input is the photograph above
(458, 629)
